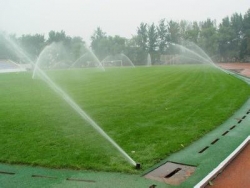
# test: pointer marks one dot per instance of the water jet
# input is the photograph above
(149, 63)
(44, 61)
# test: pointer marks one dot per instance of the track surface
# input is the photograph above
(236, 174)
(241, 68)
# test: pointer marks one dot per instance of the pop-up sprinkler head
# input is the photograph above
(138, 166)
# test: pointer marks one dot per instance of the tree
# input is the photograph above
(185, 26)
(32, 44)
(174, 31)
(142, 36)
(152, 41)
(192, 33)
(245, 46)
(58, 37)
(104, 45)
(225, 38)
(77, 47)
(163, 36)
(237, 25)
(140, 44)
(134, 52)
(174, 36)
(117, 45)
(99, 42)
(208, 37)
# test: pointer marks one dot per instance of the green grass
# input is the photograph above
(152, 111)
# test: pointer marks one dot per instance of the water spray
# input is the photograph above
(70, 102)
(206, 60)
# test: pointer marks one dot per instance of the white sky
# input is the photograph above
(115, 17)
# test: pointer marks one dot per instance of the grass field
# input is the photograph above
(151, 112)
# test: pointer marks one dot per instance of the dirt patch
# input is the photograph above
(240, 68)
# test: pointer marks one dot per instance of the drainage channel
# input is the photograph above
(174, 173)
(225, 175)
(50, 177)
(7, 173)
(225, 133)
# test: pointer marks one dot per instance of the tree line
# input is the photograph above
(34, 44)
(227, 42)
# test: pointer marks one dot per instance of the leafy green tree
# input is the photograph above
(134, 52)
(58, 37)
(162, 31)
(192, 33)
(237, 26)
(208, 37)
(152, 42)
(32, 44)
(225, 38)
(174, 32)
(77, 47)
(185, 26)
(174, 37)
(98, 34)
(104, 45)
(152, 38)
(99, 42)
(245, 46)
(140, 44)
(142, 36)
(115, 45)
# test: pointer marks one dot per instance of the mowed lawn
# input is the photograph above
(151, 112)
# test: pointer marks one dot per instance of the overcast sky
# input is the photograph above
(115, 17)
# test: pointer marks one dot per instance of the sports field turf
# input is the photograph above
(150, 112)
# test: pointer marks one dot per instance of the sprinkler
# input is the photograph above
(138, 166)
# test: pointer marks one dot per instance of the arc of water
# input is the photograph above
(149, 63)
(77, 60)
(192, 59)
(83, 114)
(201, 51)
(72, 104)
(99, 63)
(206, 60)
(123, 55)
(36, 65)
(105, 60)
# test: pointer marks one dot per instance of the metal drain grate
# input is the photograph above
(171, 173)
